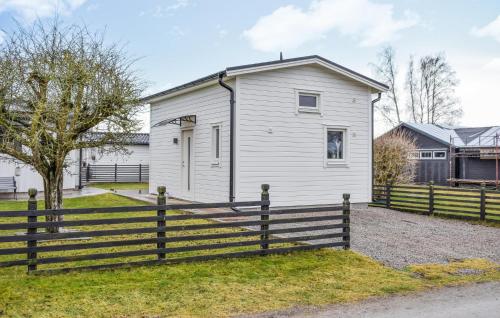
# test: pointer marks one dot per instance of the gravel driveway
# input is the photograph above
(398, 239)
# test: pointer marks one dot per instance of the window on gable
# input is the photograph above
(216, 144)
(335, 144)
(308, 101)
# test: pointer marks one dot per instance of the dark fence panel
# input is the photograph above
(474, 204)
(114, 173)
(92, 238)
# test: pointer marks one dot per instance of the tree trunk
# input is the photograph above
(53, 192)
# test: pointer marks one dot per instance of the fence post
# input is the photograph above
(87, 173)
(32, 206)
(388, 195)
(346, 211)
(264, 227)
(140, 173)
(431, 197)
(161, 200)
(482, 214)
(116, 171)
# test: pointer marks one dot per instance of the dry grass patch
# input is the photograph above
(458, 272)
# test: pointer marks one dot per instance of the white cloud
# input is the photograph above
(29, 10)
(289, 26)
(160, 11)
(493, 65)
(492, 29)
(177, 31)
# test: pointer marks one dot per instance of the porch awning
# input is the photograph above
(177, 121)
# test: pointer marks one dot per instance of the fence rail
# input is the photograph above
(157, 234)
(114, 173)
(475, 204)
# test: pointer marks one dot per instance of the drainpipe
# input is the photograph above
(373, 136)
(231, 136)
(80, 170)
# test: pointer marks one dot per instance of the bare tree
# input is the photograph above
(387, 71)
(391, 161)
(56, 83)
(431, 87)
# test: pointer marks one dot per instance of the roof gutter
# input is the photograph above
(376, 100)
(231, 135)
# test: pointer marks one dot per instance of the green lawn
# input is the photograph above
(209, 289)
(120, 185)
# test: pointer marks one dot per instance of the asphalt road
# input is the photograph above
(469, 301)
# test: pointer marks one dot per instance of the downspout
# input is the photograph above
(80, 170)
(231, 135)
(373, 138)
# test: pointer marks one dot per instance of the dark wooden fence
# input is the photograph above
(474, 204)
(171, 237)
(114, 173)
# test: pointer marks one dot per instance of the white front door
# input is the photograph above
(187, 164)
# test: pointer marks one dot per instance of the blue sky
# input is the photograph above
(180, 40)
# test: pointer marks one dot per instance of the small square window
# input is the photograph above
(425, 154)
(335, 145)
(307, 100)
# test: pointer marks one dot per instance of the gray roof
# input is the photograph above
(128, 139)
(216, 75)
(459, 136)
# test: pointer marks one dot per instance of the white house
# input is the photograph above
(26, 177)
(137, 146)
(302, 125)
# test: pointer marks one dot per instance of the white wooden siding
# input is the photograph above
(138, 154)
(211, 106)
(29, 178)
(276, 145)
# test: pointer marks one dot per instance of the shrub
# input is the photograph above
(392, 163)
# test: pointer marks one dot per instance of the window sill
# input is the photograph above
(308, 110)
(342, 164)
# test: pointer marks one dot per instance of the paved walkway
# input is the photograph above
(469, 301)
(86, 191)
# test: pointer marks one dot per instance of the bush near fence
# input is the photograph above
(472, 204)
(158, 235)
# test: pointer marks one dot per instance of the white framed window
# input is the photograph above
(439, 154)
(414, 155)
(336, 145)
(308, 101)
(216, 144)
(426, 154)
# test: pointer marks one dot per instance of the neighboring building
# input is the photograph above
(454, 154)
(26, 177)
(137, 147)
(302, 125)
